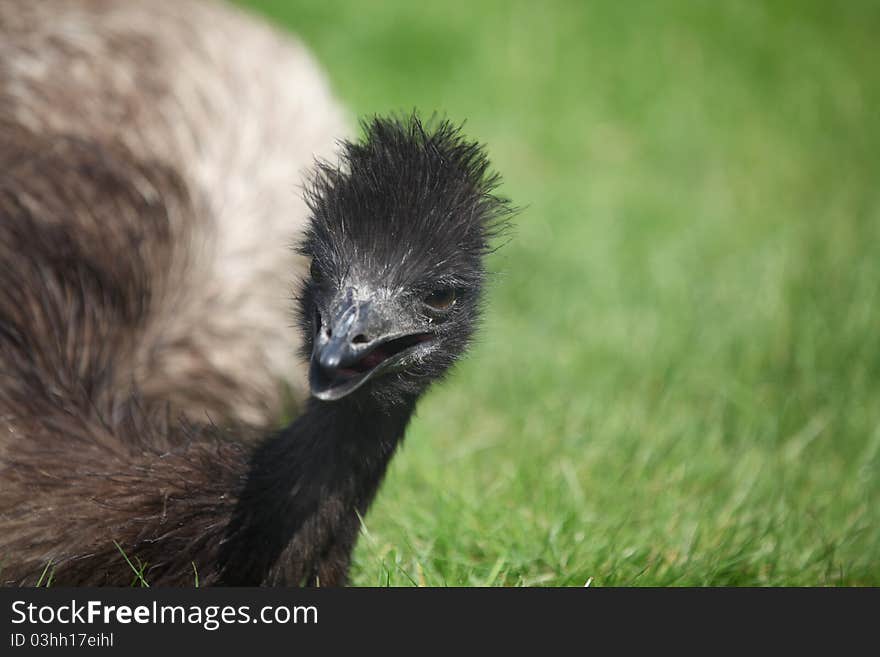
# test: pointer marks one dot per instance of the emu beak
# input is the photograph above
(361, 341)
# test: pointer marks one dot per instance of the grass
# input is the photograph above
(678, 381)
(138, 570)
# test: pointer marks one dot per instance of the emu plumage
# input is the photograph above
(144, 337)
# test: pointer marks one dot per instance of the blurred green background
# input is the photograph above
(679, 377)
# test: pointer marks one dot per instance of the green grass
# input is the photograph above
(679, 377)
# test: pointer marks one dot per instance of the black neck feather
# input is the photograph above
(305, 488)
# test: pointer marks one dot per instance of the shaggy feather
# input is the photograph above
(238, 126)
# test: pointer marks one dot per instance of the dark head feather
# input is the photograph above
(409, 200)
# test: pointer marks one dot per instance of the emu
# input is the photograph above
(146, 207)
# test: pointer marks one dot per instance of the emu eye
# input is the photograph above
(441, 299)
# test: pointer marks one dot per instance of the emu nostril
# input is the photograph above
(360, 338)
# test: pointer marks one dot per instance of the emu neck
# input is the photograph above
(305, 488)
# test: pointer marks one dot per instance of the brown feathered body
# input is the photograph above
(204, 116)
(150, 156)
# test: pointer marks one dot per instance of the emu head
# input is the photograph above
(398, 235)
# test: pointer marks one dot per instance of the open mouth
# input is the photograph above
(334, 383)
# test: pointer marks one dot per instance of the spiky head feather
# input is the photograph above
(409, 202)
